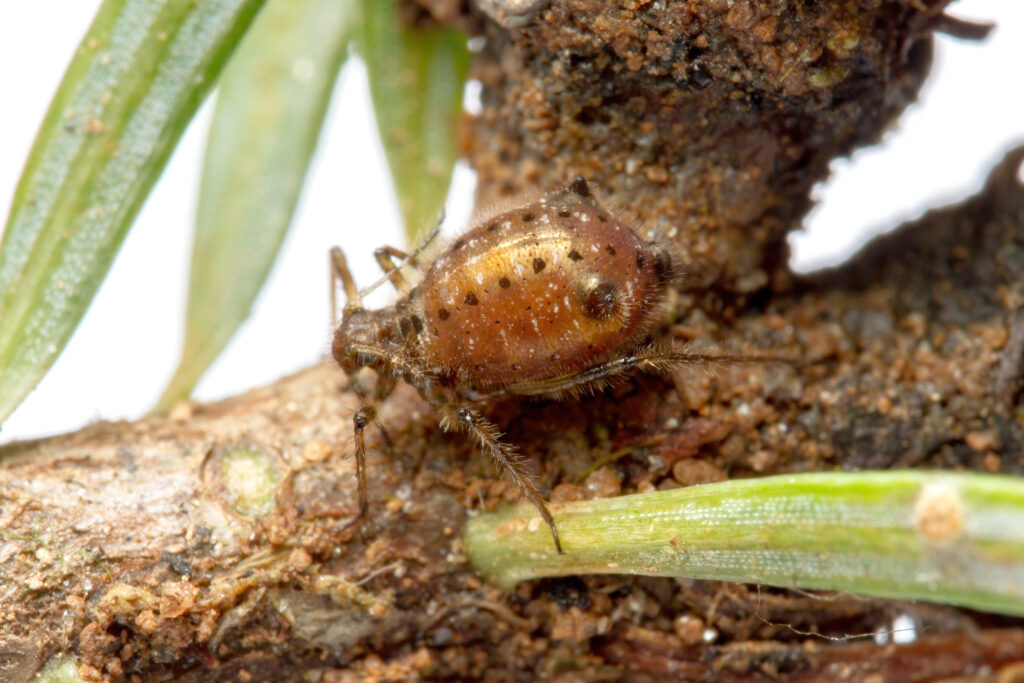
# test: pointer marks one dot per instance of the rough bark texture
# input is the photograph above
(141, 550)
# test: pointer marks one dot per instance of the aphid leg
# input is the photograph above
(405, 369)
(403, 260)
(383, 388)
(385, 385)
(651, 359)
(507, 460)
(340, 271)
(384, 256)
(360, 419)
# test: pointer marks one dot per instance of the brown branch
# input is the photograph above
(147, 548)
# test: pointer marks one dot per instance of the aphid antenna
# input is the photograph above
(340, 271)
(411, 256)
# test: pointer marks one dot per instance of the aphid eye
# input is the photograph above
(601, 301)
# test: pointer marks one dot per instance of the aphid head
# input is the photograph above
(356, 338)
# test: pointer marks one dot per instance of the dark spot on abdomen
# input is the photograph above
(610, 249)
(471, 299)
(538, 265)
(443, 313)
(601, 302)
(575, 255)
(504, 283)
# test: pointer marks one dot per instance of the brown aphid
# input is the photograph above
(551, 298)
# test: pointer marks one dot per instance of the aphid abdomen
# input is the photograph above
(541, 291)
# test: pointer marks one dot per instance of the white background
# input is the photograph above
(971, 110)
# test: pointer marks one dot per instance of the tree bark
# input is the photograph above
(213, 543)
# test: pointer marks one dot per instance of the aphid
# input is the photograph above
(550, 299)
